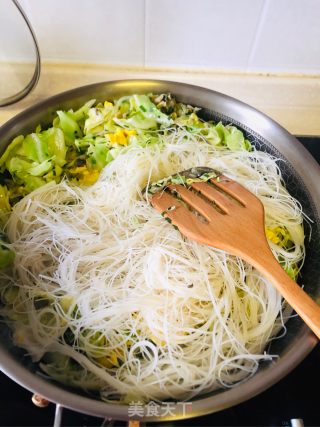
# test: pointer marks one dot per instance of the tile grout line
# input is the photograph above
(145, 34)
(257, 34)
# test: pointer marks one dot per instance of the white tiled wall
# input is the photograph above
(201, 33)
(99, 31)
(241, 35)
(15, 40)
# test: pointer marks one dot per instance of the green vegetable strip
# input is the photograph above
(79, 144)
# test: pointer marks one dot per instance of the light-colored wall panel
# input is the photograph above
(99, 31)
(278, 36)
(216, 34)
(288, 39)
(16, 43)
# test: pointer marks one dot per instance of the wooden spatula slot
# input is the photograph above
(195, 200)
(219, 198)
(180, 202)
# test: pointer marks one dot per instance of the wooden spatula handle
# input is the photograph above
(305, 306)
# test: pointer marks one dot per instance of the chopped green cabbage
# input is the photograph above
(80, 143)
(6, 254)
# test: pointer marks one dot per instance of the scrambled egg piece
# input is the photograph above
(84, 175)
(279, 236)
(109, 361)
(120, 137)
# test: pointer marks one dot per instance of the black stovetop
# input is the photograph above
(294, 397)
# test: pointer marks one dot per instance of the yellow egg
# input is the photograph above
(90, 177)
(272, 236)
(278, 235)
(109, 361)
(120, 137)
(84, 175)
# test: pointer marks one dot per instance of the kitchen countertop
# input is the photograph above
(293, 101)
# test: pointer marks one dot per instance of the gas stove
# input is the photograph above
(293, 401)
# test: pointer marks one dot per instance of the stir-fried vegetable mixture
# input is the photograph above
(103, 292)
(80, 143)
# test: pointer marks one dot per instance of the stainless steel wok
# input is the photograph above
(302, 176)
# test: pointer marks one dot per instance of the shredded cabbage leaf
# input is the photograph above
(80, 143)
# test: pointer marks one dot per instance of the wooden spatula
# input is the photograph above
(223, 214)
